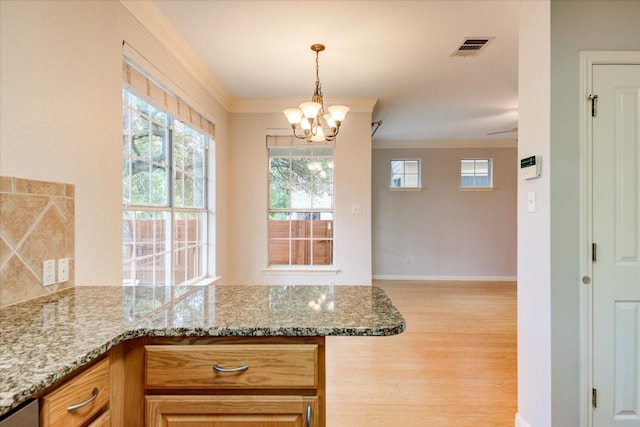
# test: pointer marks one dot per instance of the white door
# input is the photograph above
(616, 232)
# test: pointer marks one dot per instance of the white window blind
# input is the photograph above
(139, 84)
(292, 141)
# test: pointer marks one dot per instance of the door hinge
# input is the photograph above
(594, 398)
(594, 105)
(594, 252)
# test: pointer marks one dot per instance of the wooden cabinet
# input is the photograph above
(236, 411)
(196, 382)
(81, 401)
(235, 383)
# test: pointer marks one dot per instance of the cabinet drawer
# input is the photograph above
(231, 366)
(55, 405)
(213, 411)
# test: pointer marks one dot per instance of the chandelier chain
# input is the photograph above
(318, 90)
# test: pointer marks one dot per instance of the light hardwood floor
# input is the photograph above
(455, 365)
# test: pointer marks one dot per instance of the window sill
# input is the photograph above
(301, 269)
(477, 188)
(405, 188)
(203, 282)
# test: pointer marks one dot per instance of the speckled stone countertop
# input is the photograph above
(46, 338)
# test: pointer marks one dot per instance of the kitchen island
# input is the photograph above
(47, 340)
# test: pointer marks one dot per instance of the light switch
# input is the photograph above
(531, 201)
(356, 209)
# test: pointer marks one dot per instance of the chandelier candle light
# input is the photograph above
(309, 115)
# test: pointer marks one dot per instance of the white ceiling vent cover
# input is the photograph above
(472, 46)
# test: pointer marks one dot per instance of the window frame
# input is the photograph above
(171, 249)
(418, 186)
(489, 175)
(276, 151)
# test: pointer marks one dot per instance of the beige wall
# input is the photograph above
(248, 199)
(61, 108)
(445, 233)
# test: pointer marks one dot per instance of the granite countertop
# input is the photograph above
(46, 338)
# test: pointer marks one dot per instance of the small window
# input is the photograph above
(476, 173)
(405, 173)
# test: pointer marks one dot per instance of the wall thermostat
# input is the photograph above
(530, 167)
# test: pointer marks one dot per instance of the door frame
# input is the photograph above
(587, 60)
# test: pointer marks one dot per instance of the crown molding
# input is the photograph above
(148, 15)
(445, 143)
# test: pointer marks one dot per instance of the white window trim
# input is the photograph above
(406, 188)
(301, 269)
(477, 188)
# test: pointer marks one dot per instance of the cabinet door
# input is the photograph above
(232, 411)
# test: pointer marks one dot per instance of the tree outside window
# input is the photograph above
(164, 173)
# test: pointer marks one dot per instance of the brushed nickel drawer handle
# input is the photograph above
(94, 394)
(308, 416)
(219, 368)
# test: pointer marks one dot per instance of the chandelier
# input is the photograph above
(309, 115)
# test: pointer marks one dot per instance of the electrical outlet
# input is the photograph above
(63, 270)
(49, 272)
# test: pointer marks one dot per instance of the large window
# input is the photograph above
(300, 206)
(164, 196)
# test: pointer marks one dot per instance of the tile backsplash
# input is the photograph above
(37, 223)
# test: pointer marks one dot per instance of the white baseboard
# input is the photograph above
(521, 422)
(447, 278)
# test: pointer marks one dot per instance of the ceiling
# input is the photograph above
(396, 54)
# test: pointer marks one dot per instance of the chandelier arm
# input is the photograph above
(294, 127)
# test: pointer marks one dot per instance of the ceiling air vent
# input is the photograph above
(472, 46)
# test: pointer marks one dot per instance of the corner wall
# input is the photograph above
(551, 362)
(61, 113)
(534, 256)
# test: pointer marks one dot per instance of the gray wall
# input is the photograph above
(445, 232)
(575, 27)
